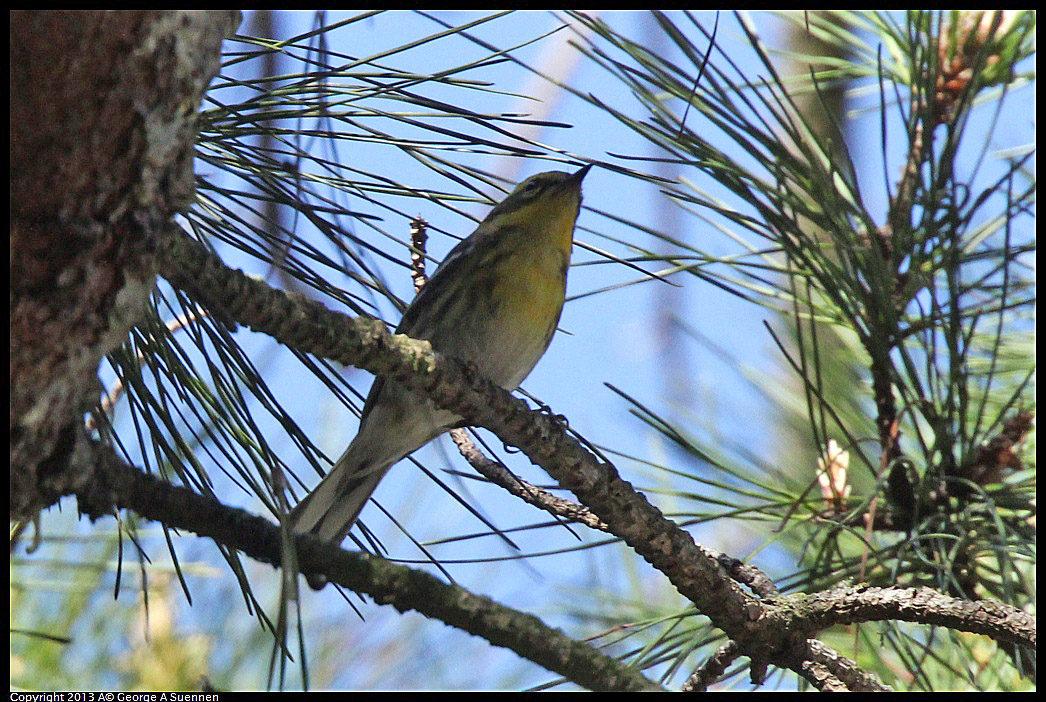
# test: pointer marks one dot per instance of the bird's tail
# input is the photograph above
(330, 510)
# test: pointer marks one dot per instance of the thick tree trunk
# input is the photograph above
(103, 125)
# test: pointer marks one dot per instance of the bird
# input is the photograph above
(495, 302)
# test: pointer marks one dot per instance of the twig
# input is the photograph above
(712, 669)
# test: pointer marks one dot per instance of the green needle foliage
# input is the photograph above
(907, 320)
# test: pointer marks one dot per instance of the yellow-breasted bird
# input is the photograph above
(494, 301)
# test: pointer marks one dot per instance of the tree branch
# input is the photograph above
(404, 588)
(769, 631)
(924, 605)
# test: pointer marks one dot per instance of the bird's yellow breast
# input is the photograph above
(533, 295)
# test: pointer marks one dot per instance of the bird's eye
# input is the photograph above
(532, 188)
